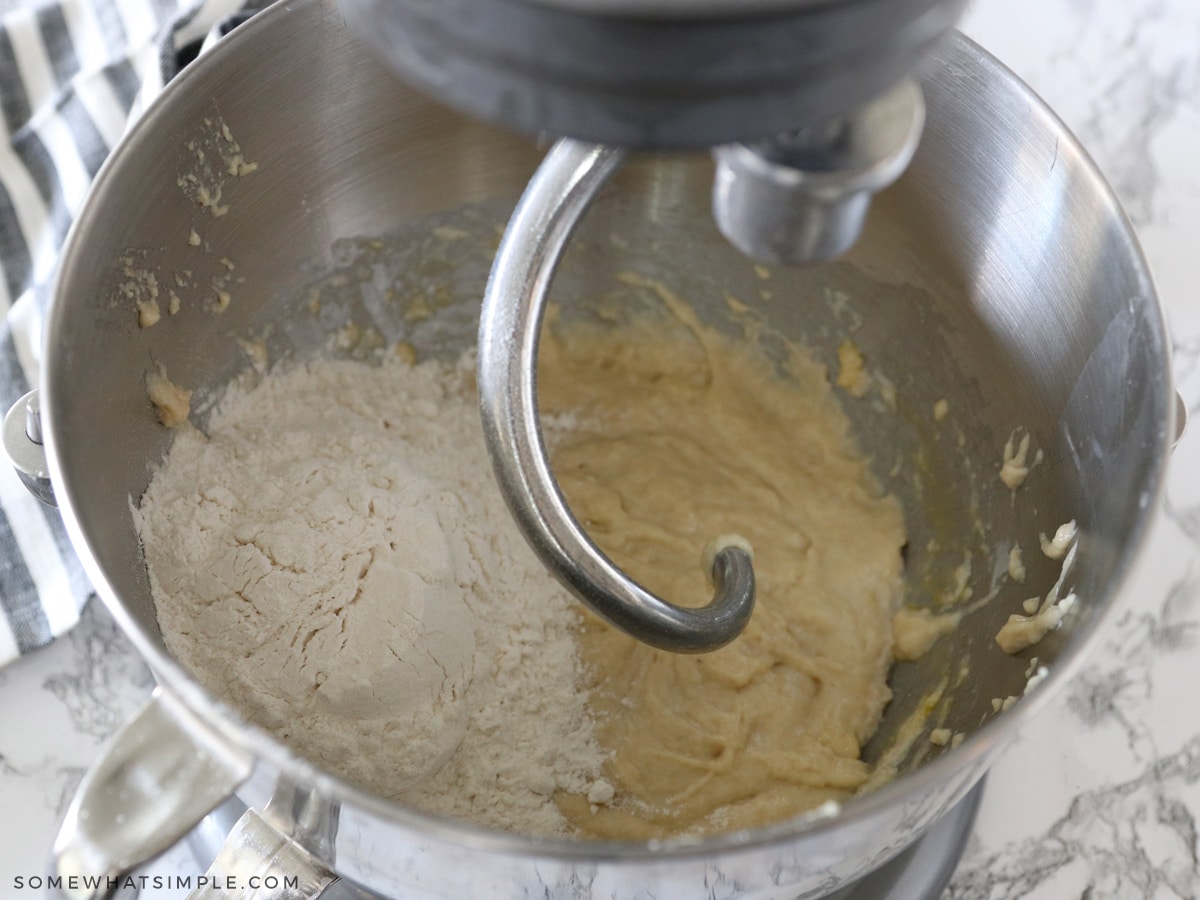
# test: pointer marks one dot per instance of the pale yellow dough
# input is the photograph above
(676, 436)
(172, 403)
(916, 630)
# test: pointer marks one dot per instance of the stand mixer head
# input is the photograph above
(806, 102)
(809, 110)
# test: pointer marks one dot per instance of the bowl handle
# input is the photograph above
(162, 773)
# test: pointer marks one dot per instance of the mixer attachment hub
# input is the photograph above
(803, 197)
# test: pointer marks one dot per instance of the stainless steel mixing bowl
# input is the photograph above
(999, 275)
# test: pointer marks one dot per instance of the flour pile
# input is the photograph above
(336, 560)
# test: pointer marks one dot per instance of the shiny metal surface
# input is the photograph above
(160, 775)
(804, 197)
(998, 274)
(655, 73)
(510, 322)
(921, 872)
(23, 447)
(256, 862)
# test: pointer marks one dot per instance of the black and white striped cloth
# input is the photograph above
(73, 75)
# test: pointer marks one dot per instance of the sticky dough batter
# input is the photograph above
(679, 435)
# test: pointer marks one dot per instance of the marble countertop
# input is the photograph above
(1100, 796)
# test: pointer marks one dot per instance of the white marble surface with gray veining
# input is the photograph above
(1100, 795)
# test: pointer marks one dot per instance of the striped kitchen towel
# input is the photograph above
(73, 75)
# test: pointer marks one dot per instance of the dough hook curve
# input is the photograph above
(557, 196)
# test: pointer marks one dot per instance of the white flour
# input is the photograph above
(336, 561)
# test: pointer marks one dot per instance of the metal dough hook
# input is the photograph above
(561, 190)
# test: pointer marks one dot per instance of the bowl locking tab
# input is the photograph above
(23, 444)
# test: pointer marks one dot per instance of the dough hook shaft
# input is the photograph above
(572, 173)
